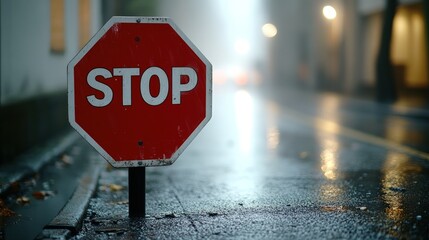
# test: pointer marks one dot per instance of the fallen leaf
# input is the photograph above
(334, 208)
(41, 195)
(66, 159)
(5, 211)
(115, 187)
(23, 200)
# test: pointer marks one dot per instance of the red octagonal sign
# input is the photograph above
(139, 91)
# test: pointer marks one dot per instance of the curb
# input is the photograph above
(31, 162)
(69, 221)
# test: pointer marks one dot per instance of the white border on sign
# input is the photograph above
(71, 102)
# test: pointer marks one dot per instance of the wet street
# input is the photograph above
(278, 164)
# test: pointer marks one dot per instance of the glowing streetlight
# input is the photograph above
(269, 30)
(329, 12)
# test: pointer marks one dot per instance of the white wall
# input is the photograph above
(28, 67)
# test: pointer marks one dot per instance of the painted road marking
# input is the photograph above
(335, 128)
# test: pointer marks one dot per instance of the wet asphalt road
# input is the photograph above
(278, 165)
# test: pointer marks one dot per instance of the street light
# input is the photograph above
(329, 12)
(269, 30)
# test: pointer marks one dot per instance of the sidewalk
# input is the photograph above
(36, 186)
(31, 162)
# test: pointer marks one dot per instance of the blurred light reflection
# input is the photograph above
(328, 108)
(273, 133)
(395, 129)
(328, 158)
(244, 182)
(273, 137)
(330, 191)
(396, 169)
(244, 119)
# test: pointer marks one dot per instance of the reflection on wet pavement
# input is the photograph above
(273, 133)
(328, 158)
(244, 116)
(396, 181)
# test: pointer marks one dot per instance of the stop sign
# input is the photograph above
(139, 91)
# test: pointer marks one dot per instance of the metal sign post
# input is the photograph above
(137, 192)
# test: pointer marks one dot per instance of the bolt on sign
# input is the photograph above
(139, 91)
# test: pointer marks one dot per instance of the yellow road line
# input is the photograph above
(335, 128)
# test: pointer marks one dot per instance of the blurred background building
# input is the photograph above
(323, 45)
(38, 39)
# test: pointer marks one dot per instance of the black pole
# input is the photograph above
(137, 192)
(385, 82)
